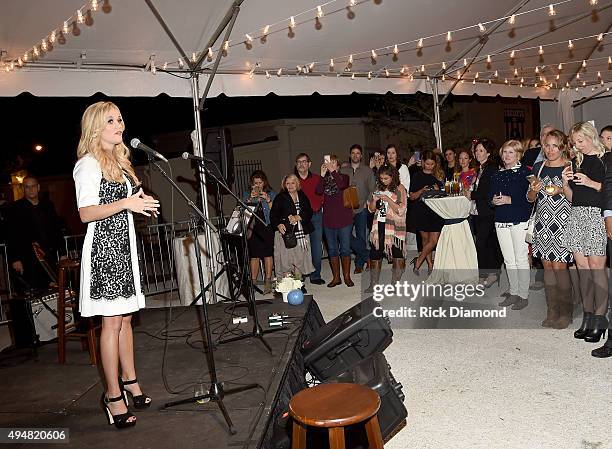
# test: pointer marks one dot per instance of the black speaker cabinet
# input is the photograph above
(346, 340)
(375, 372)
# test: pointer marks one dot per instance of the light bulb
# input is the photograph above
(94, 5)
(488, 59)
(279, 72)
(600, 37)
(387, 73)
(80, 18)
(464, 62)
(512, 54)
(558, 76)
(403, 70)
(65, 28)
(266, 30)
(351, 4)
(584, 63)
(489, 80)
(52, 37)
(422, 69)
(593, 2)
(319, 11)
(165, 66)
(449, 37)
(482, 28)
(395, 50)
(331, 64)
(181, 63)
(443, 77)
(578, 75)
(267, 74)
(292, 22)
(512, 19)
(36, 52)
(560, 66)
(311, 66)
(570, 44)
(249, 38)
(598, 74)
(420, 44)
(43, 45)
(515, 72)
(20, 62)
(374, 55)
(551, 10)
(209, 54)
(540, 50)
(505, 80)
(443, 65)
(353, 76)
(350, 59)
(496, 74)
(477, 75)
(537, 69)
(369, 75)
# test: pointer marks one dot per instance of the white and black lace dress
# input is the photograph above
(110, 277)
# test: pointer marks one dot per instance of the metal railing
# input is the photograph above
(154, 245)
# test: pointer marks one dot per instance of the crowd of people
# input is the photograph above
(556, 188)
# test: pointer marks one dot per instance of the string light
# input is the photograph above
(496, 75)
(267, 74)
(311, 66)
(598, 74)
(422, 69)
(194, 56)
(52, 37)
(36, 52)
(488, 59)
(505, 80)
(537, 69)
(578, 75)
(373, 56)
(279, 72)
(593, 2)
(512, 19)
(395, 50)
(560, 66)
(25, 56)
(512, 54)
(43, 45)
(443, 77)
(540, 51)
(351, 3)
(558, 76)
(181, 63)
(551, 10)
(319, 11)
(80, 18)
(515, 72)
(482, 28)
(331, 64)
(369, 75)
(522, 80)
(489, 81)
(570, 44)
(449, 37)
(387, 73)
(609, 59)
(464, 62)
(420, 43)
(94, 5)
(266, 30)
(292, 22)
(443, 65)
(600, 37)
(249, 38)
(476, 75)
(20, 62)
(350, 59)
(353, 76)
(65, 28)
(584, 63)
(209, 54)
(165, 66)
(403, 70)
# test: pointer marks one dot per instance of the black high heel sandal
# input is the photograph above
(415, 270)
(488, 284)
(141, 401)
(120, 421)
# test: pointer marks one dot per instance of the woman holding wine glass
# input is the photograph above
(585, 234)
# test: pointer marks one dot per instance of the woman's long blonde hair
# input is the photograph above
(92, 124)
(588, 131)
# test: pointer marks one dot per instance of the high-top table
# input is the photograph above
(455, 260)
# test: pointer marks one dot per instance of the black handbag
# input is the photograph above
(289, 237)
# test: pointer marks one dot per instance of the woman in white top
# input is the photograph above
(393, 159)
(110, 278)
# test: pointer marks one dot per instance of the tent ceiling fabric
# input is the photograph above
(123, 40)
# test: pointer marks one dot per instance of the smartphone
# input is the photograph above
(531, 178)
(417, 155)
(326, 158)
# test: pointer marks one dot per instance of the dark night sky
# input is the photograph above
(55, 122)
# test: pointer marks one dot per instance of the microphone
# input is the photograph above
(187, 155)
(137, 144)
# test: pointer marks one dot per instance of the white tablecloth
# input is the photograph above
(187, 268)
(456, 260)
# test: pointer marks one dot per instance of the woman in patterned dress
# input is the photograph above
(110, 278)
(551, 215)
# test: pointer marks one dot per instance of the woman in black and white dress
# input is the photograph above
(552, 211)
(107, 196)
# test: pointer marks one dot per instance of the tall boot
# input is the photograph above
(399, 265)
(585, 326)
(598, 329)
(346, 270)
(335, 267)
(374, 275)
(552, 306)
(566, 308)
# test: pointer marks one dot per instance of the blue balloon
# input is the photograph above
(295, 297)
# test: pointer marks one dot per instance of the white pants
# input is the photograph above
(516, 256)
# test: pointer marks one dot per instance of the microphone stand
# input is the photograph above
(216, 392)
(257, 331)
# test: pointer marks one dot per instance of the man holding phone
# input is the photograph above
(362, 177)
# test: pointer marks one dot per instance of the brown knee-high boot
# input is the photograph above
(399, 265)
(374, 274)
(346, 270)
(566, 308)
(335, 267)
(552, 305)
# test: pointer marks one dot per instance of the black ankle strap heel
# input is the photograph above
(120, 421)
(142, 401)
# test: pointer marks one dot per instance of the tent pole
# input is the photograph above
(217, 33)
(437, 124)
(195, 91)
(211, 76)
(163, 24)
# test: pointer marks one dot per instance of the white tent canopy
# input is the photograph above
(113, 54)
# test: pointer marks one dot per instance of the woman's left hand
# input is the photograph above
(500, 200)
(265, 196)
(150, 198)
(580, 179)
(293, 219)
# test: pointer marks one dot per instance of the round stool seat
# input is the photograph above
(334, 405)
